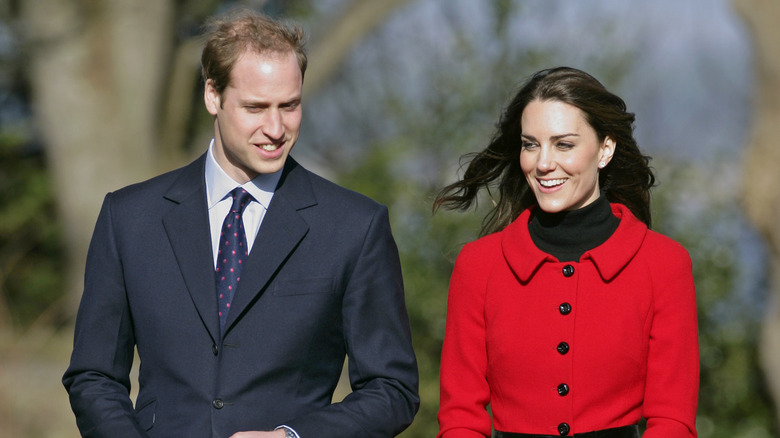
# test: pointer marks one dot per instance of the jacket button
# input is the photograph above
(568, 271)
(563, 389)
(218, 403)
(214, 349)
(563, 348)
(564, 308)
(564, 429)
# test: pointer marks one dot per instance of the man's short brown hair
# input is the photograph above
(230, 36)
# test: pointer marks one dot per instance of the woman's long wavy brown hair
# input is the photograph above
(627, 179)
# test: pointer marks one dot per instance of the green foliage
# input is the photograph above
(704, 217)
(31, 248)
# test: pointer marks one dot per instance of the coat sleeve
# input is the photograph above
(382, 364)
(97, 379)
(465, 393)
(672, 384)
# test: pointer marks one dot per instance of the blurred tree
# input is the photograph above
(733, 398)
(97, 70)
(760, 187)
(113, 83)
(31, 262)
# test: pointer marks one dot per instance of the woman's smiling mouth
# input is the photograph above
(549, 183)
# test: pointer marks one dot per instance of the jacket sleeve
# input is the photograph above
(382, 364)
(97, 379)
(465, 393)
(672, 384)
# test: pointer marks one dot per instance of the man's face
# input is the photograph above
(257, 118)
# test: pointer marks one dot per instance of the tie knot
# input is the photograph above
(241, 198)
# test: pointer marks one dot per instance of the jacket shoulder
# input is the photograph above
(661, 244)
(331, 190)
(160, 184)
(480, 254)
(303, 188)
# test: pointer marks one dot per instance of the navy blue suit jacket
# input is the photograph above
(323, 281)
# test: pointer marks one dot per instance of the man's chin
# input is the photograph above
(268, 167)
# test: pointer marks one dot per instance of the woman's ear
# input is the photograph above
(607, 152)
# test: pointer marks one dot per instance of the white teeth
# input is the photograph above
(269, 147)
(551, 182)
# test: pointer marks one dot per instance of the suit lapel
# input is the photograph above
(280, 233)
(187, 225)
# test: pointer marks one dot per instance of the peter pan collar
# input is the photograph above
(524, 258)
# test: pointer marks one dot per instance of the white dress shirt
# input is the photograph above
(218, 188)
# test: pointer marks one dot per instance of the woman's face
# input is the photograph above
(561, 155)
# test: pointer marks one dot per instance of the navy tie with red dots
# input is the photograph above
(232, 253)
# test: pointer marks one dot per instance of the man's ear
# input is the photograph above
(212, 98)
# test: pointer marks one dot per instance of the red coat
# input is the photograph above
(595, 344)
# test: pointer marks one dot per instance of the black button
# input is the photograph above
(214, 349)
(563, 389)
(218, 403)
(568, 271)
(564, 308)
(563, 429)
(563, 348)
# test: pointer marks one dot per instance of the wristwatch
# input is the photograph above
(289, 433)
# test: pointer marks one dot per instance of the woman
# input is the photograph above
(569, 316)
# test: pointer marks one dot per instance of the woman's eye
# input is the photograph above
(527, 145)
(565, 145)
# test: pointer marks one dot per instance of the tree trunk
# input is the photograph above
(96, 69)
(761, 180)
(328, 52)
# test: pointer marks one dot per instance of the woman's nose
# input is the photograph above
(545, 160)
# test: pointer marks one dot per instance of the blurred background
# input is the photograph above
(97, 94)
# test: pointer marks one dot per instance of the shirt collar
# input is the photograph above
(525, 258)
(219, 184)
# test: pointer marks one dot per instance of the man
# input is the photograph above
(242, 312)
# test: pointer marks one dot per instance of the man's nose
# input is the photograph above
(273, 128)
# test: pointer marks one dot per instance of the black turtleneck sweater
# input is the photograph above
(568, 234)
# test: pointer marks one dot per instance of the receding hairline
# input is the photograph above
(229, 36)
(237, 25)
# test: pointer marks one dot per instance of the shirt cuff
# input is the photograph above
(290, 429)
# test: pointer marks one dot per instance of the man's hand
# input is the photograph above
(278, 433)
